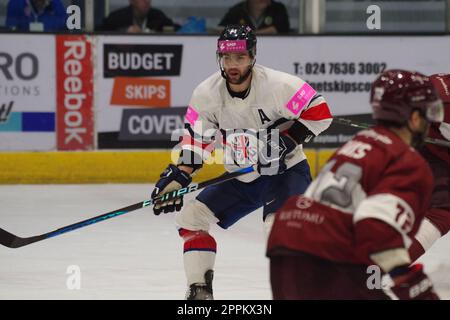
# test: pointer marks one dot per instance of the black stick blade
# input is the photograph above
(11, 241)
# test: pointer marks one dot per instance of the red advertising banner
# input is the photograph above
(74, 78)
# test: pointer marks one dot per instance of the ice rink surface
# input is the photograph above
(134, 256)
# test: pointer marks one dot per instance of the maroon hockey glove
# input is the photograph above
(411, 283)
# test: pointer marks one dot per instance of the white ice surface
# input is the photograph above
(134, 256)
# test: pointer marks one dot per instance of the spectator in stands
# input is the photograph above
(139, 16)
(36, 15)
(264, 16)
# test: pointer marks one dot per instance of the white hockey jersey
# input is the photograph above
(276, 99)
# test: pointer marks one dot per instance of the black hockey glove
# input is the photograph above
(171, 179)
(272, 154)
(411, 283)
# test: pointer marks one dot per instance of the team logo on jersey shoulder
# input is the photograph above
(301, 99)
(191, 115)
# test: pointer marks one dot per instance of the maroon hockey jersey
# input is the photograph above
(369, 197)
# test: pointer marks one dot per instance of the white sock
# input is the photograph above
(196, 263)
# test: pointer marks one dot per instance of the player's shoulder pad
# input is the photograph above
(203, 95)
(294, 93)
(281, 80)
(388, 146)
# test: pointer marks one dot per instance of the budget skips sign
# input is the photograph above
(27, 92)
(141, 79)
(137, 71)
(75, 116)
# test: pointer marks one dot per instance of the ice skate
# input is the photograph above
(201, 291)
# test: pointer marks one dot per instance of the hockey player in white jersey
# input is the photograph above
(241, 101)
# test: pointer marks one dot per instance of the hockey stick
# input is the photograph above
(351, 123)
(12, 241)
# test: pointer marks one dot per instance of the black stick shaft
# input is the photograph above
(351, 123)
(12, 241)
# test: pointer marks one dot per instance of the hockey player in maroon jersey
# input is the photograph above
(364, 207)
(437, 218)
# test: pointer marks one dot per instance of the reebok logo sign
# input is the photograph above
(74, 95)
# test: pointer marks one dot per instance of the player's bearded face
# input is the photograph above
(236, 66)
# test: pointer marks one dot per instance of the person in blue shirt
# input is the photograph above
(36, 15)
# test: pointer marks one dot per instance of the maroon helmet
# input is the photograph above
(395, 94)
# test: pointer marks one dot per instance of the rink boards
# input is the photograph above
(106, 166)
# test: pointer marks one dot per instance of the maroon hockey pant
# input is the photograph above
(306, 277)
